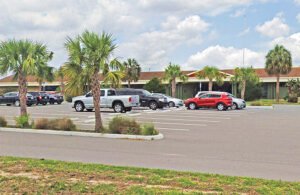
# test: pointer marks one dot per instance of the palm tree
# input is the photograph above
(278, 62)
(211, 73)
(23, 58)
(172, 72)
(242, 76)
(132, 71)
(59, 74)
(44, 74)
(113, 74)
(90, 53)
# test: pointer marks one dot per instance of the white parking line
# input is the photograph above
(172, 129)
(183, 124)
(173, 119)
(197, 117)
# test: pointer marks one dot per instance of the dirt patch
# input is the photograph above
(21, 174)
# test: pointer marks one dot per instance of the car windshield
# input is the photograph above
(146, 93)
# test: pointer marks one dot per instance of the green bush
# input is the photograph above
(122, 125)
(64, 124)
(148, 129)
(3, 122)
(23, 121)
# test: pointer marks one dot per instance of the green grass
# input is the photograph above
(28, 176)
(269, 102)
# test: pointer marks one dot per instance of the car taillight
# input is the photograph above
(130, 99)
(40, 97)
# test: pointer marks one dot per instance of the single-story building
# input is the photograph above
(184, 90)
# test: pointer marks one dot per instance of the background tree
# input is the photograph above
(23, 58)
(44, 74)
(113, 74)
(211, 73)
(278, 62)
(91, 53)
(132, 71)
(59, 74)
(155, 86)
(293, 86)
(173, 72)
(242, 76)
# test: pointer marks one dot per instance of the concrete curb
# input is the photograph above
(83, 134)
(260, 107)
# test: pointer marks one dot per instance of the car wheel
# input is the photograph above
(171, 104)
(89, 110)
(58, 102)
(45, 103)
(17, 103)
(79, 107)
(192, 106)
(234, 106)
(153, 105)
(221, 107)
(118, 107)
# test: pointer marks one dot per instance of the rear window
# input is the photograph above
(111, 93)
(215, 95)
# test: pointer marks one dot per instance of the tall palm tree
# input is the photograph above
(132, 71)
(173, 72)
(44, 74)
(278, 62)
(211, 73)
(242, 76)
(59, 74)
(23, 58)
(90, 52)
(113, 73)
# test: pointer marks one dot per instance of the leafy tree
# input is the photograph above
(293, 86)
(242, 76)
(23, 58)
(278, 62)
(113, 74)
(89, 53)
(211, 73)
(132, 71)
(155, 86)
(44, 74)
(59, 74)
(173, 72)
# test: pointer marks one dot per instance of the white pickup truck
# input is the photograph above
(108, 99)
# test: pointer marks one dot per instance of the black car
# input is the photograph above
(41, 98)
(12, 98)
(54, 98)
(146, 98)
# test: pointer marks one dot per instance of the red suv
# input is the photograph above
(219, 100)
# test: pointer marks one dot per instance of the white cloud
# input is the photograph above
(274, 28)
(238, 13)
(154, 48)
(298, 17)
(291, 43)
(297, 2)
(244, 32)
(225, 58)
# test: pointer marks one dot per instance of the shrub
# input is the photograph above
(64, 124)
(3, 122)
(23, 121)
(148, 129)
(122, 125)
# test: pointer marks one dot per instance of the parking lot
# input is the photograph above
(251, 142)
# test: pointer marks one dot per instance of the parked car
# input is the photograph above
(219, 100)
(145, 97)
(108, 99)
(12, 98)
(53, 97)
(41, 98)
(237, 103)
(172, 102)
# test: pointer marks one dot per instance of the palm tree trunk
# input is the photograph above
(62, 86)
(22, 93)
(128, 83)
(243, 90)
(277, 87)
(174, 87)
(40, 86)
(210, 85)
(96, 100)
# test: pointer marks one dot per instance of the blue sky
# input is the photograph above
(191, 33)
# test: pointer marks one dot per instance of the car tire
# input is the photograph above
(153, 105)
(58, 102)
(234, 106)
(89, 110)
(171, 104)
(118, 107)
(17, 103)
(221, 107)
(192, 106)
(79, 107)
(45, 103)
(51, 101)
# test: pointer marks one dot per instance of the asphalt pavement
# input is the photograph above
(252, 142)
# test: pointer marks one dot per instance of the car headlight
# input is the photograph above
(161, 99)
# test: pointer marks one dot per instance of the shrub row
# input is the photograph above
(55, 124)
(3, 122)
(124, 125)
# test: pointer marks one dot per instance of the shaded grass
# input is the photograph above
(21, 175)
(269, 102)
